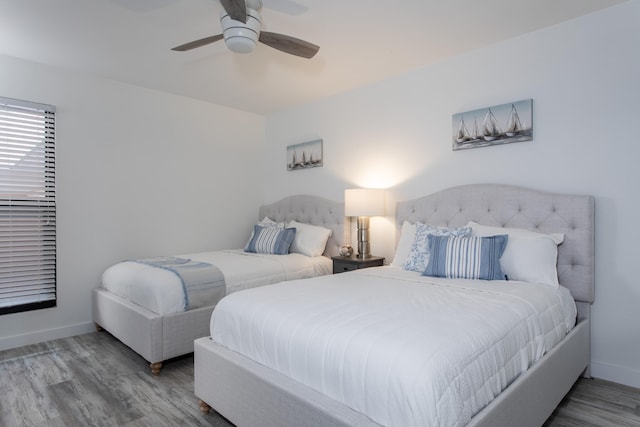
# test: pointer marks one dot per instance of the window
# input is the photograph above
(27, 206)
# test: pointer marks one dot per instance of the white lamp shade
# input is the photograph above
(364, 202)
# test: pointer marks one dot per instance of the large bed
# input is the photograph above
(159, 333)
(265, 391)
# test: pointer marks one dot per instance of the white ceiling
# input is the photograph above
(361, 42)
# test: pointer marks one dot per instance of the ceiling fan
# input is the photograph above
(241, 29)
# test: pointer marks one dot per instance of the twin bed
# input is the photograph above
(390, 346)
(134, 303)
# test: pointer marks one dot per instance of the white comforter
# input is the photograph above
(161, 291)
(403, 349)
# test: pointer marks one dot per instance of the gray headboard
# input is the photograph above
(312, 210)
(510, 206)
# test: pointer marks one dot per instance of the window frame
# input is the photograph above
(28, 235)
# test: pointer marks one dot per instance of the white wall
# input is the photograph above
(139, 173)
(583, 78)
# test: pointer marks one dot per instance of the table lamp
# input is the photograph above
(364, 203)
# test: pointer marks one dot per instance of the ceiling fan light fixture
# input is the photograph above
(241, 37)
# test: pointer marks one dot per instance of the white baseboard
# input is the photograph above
(46, 335)
(616, 374)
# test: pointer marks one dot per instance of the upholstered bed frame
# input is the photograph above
(250, 394)
(161, 337)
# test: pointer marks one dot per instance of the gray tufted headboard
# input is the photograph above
(510, 206)
(312, 210)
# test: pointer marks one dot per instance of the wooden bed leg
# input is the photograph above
(99, 328)
(204, 407)
(155, 368)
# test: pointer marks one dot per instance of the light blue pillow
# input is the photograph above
(418, 257)
(466, 257)
(271, 240)
(265, 222)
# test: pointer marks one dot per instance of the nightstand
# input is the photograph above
(343, 263)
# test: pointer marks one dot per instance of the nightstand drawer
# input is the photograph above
(341, 267)
(343, 264)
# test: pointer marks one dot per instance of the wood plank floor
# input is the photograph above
(594, 402)
(94, 380)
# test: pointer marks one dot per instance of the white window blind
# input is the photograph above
(27, 206)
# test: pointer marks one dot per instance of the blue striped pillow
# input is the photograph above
(466, 257)
(271, 240)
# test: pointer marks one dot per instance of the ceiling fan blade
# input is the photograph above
(289, 44)
(237, 9)
(198, 43)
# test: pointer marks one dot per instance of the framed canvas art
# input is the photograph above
(500, 124)
(304, 155)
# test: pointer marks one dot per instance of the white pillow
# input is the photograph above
(268, 222)
(529, 256)
(310, 240)
(407, 236)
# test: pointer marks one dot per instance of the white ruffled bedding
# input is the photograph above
(403, 349)
(161, 291)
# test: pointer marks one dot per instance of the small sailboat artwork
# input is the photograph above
(464, 136)
(476, 132)
(490, 128)
(292, 164)
(514, 126)
(500, 124)
(304, 155)
(463, 133)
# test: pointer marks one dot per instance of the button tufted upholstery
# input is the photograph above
(312, 210)
(510, 206)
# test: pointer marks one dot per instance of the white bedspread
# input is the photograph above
(161, 291)
(403, 349)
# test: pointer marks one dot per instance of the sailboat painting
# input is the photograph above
(305, 155)
(500, 124)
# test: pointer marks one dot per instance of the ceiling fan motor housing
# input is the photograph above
(241, 37)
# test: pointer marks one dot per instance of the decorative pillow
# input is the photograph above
(418, 257)
(529, 256)
(407, 237)
(271, 240)
(466, 257)
(264, 222)
(310, 240)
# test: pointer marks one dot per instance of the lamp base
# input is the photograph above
(364, 249)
